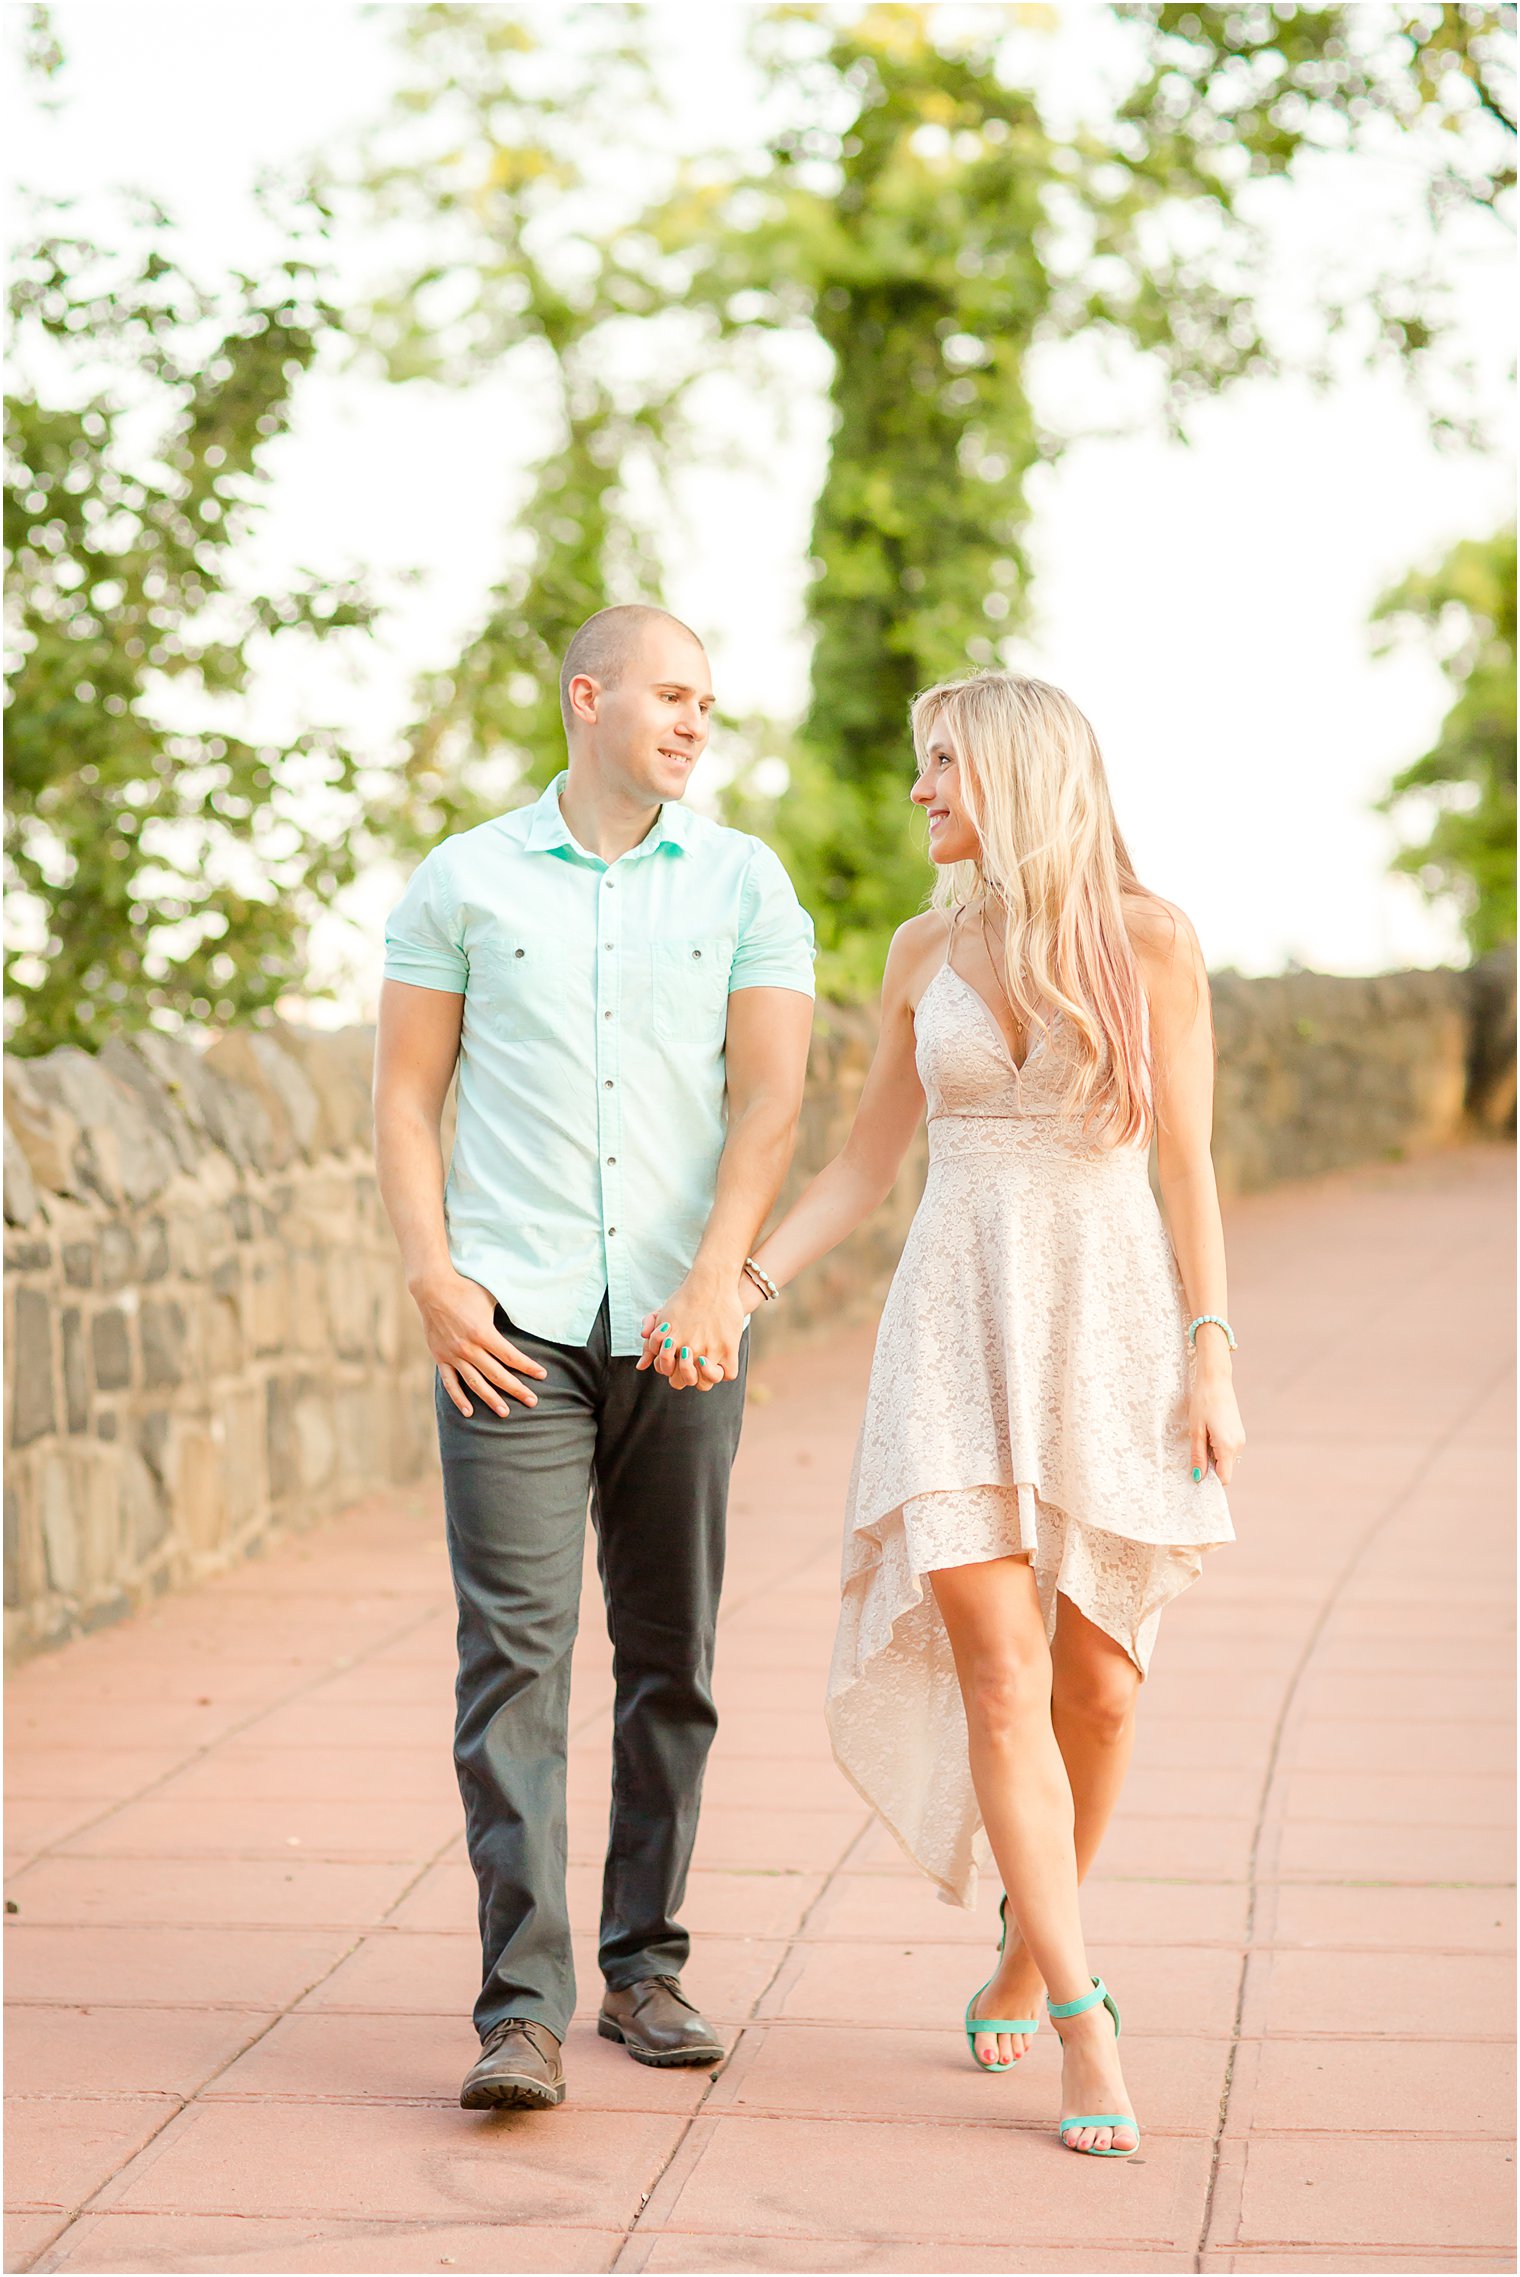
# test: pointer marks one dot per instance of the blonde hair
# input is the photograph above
(1052, 859)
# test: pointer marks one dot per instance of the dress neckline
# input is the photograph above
(1017, 1065)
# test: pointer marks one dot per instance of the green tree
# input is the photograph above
(164, 864)
(1464, 609)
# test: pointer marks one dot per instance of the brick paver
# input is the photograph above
(243, 1948)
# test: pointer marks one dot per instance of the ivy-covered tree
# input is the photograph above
(1464, 609)
(163, 863)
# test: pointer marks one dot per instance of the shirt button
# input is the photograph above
(606, 944)
(611, 1230)
(606, 1015)
(607, 1086)
(612, 1158)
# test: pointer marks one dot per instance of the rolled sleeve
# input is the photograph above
(422, 932)
(775, 947)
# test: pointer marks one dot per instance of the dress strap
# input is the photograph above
(956, 915)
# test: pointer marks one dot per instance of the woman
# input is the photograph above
(1050, 1424)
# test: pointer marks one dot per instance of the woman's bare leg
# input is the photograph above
(992, 1615)
(1094, 1689)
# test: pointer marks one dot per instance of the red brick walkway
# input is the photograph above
(243, 1955)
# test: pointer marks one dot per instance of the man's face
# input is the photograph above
(652, 725)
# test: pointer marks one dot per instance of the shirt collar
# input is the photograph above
(547, 830)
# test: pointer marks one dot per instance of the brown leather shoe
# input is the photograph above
(519, 2070)
(657, 2023)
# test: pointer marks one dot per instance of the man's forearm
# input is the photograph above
(409, 1169)
(755, 1158)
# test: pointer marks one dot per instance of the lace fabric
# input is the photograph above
(1028, 1396)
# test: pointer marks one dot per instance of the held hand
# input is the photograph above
(702, 1322)
(458, 1321)
(1214, 1426)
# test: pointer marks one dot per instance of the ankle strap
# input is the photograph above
(1079, 2007)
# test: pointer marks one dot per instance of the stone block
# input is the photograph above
(161, 1074)
(14, 1590)
(118, 1256)
(155, 1430)
(79, 1264)
(255, 1097)
(27, 1253)
(199, 1511)
(21, 1202)
(120, 1155)
(47, 1135)
(112, 1343)
(32, 1409)
(350, 1305)
(162, 1331)
(316, 1440)
(79, 1522)
(282, 1452)
(308, 1303)
(238, 1429)
(224, 1352)
(144, 1509)
(267, 1305)
(339, 1066)
(153, 1245)
(76, 1371)
(359, 1422)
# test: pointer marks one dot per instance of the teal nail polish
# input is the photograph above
(1197, 1475)
(665, 1347)
(685, 1351)
(664, 1328)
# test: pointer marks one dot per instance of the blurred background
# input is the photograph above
(359, 352)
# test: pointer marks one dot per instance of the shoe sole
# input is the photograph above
(512, 2095)
(661, 2060)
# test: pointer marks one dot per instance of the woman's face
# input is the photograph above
(938, 792)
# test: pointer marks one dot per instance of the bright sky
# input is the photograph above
(1207, 605)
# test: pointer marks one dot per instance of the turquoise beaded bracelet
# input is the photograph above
(1219, 1322)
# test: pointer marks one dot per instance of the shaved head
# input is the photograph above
(606, 645)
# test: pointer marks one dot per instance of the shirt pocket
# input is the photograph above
(516, 986)
(690, 989)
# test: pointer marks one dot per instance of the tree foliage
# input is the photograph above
(913, 210)
(497, 157)
(163, 864)
(1464, 609)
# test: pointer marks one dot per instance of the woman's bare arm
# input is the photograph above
(860, 1176)
(1182, 1046)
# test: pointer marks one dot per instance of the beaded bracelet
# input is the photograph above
(762, 1280)
(1219, 1321)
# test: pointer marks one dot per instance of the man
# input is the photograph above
(627, 988)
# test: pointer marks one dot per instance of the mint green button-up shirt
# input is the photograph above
(591, 1101)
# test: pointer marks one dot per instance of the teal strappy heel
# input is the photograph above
(975, 2024)
(1080, 2007)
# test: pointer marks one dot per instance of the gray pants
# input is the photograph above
(656, 1465)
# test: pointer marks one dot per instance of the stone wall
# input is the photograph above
(208, 1339)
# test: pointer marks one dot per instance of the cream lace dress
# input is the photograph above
(1028, 1396)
